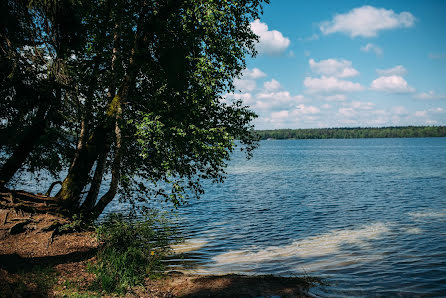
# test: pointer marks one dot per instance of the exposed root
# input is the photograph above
(23, 201)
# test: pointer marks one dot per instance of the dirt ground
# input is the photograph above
(36, 262)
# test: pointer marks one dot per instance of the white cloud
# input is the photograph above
(276, 100)
(420, 113)
(270, 42)
(245, 85)
(367, 21)
(398, 70)
(361, 105)
(303, 109)
(279, 115)
(326, 106)
(336, 97)
(437, 110)
(333, 67)
(310, 38)
(400, 110)
(347, 112)
(330, 85)
(429, 95)
(391, 84)
(246, 97)
(301, 113)
(247, 81)
(253, 74)
(272, 85)
(372, 47)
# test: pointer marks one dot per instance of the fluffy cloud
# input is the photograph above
(429, 95)
(398, 70)
(330, 85)
(400, 110)
(276, 100)
(361, 105)
(432, 112)
(333, 67)
(367, 21)
(353, 108)
(303, 109)
(302, 113)
(336, 97)
(245, 85)
(420, 113)
(271, 85)
(247, 82)
(391, 84)
(372, 47)
(253, 74)
(270, 42)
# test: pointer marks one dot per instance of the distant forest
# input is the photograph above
(355, 132)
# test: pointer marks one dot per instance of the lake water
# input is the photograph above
(367, 215)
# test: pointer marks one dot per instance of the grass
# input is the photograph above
(132, 249)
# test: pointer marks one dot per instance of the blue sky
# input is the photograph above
(348, 64)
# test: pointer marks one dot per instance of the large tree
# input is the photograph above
(145, 97)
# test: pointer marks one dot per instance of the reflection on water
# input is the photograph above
(316, 246)
(429, 214)
(188, 245)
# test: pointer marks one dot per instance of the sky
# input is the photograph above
(347, 64)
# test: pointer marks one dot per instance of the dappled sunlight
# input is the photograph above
(316, 246)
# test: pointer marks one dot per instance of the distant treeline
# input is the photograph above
(355, 132)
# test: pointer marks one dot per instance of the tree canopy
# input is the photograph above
(129, 88)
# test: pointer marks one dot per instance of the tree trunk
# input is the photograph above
(26, 145)
(79, 173)
(95, 185)
(116, 170)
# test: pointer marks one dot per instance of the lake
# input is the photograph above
(367, 215)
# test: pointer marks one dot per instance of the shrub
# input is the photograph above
(131, 250)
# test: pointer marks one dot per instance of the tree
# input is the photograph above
(145, 98)
(36, 39)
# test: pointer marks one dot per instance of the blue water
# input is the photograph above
(366, 215)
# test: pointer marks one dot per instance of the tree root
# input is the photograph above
(30, 203)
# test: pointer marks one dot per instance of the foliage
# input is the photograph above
(131, 250)
(130, 88)
(355, 132)
(36, 37)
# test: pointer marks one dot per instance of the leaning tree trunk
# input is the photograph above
(95, 185)
(116, 172)
(78, 174)
(94, 149)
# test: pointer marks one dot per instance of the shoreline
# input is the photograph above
(35, 262)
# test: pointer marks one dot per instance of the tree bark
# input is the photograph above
(95, 185)
(116, 171)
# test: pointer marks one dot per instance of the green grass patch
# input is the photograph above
(132, 249)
